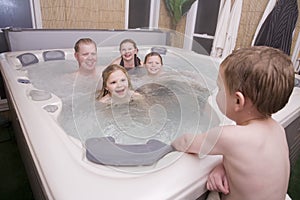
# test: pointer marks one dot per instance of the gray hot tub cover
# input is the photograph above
(105, 151)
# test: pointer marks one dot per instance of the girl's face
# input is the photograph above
(128, 51)
(87, 56)
(117, 84)
(153, 65)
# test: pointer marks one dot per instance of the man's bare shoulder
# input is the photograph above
(99, 69)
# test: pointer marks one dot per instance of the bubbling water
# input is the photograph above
(174, 103)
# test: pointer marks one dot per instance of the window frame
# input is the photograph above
(36, 14)
(190, 27)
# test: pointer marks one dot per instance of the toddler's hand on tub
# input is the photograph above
(217, 180)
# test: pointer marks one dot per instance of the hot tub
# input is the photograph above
(56, 162)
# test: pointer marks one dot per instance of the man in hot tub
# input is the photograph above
(86, 56)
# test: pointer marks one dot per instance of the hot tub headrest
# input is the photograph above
(105, 151)
(160, 50)
(27, 59)
(53, 55)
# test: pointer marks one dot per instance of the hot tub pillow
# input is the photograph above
(53, 55)
(27, 59)
(160, 50)
(105, 151)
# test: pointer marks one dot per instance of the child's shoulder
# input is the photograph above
(137, 96)
(106, 99)
(116, 60)
(233, 134)
(253, 131)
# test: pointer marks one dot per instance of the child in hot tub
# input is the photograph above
(253, 84)
(153, 63)
(128, 59)
(116, 85)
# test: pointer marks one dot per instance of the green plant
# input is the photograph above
(177, 9)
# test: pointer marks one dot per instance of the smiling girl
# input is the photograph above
(128, 59)
(116, 85)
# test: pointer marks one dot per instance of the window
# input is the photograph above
(139, 13)
(142, 14)
(15, 13)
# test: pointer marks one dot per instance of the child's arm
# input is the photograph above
(202, 144)
(188, 143)
(217, 180)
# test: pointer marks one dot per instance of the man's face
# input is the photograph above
(87, 56)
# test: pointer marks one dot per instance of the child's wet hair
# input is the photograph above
(128, 41)
(153, 53)
(105, 75)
